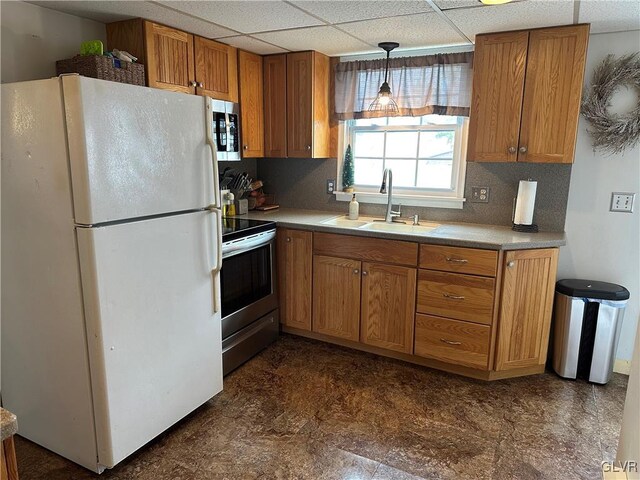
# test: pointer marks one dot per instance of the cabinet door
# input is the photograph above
(294, 273)
(169, 58)
(251, 104)
(388, 306)
(552, 94)
(300, 104)
(525, 314)
(275, 106)
(336, 297)
(216, 70)
(496, 102)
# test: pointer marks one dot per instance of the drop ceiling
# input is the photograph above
(349, 27)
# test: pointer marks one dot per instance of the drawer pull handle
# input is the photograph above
(457, 260)
(453, 297)
(449, 342)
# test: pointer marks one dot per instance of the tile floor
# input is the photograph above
(304, 409)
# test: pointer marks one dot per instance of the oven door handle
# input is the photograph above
(248, 244)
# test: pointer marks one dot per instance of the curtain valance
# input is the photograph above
(433, 84)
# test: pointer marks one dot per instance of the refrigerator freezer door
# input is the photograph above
(135, 151)
(155, 343)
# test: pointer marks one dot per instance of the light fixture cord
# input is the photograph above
(386, 68)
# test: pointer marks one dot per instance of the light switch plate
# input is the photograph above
(480, 194)
(622, 202)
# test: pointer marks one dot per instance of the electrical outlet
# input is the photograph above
(480, 194)
(331, 186)
(622, 202)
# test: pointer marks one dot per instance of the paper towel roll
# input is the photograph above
(525, 202)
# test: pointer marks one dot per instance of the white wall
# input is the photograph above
(603, 245)
(33, 38)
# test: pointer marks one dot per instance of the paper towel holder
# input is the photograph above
(533, 228)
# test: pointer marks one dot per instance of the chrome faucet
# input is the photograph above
(390, 216)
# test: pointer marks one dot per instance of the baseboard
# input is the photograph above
(622, 366)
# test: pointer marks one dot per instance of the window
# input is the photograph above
(425, 154)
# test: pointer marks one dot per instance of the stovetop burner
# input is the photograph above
(236, 227)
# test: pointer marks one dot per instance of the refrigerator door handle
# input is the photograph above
(214, 160)
(215, 271)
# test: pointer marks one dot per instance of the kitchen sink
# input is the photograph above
(345, 222)
(400, 227)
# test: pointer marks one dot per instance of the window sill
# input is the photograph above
(403, 199)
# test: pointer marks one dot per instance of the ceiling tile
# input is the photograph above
(112, 11)
(446, 4)
(252, 45)
(411, 31)
(326, 39)
(247, 16)
(348, 11)
(610, 15)
(512, 16)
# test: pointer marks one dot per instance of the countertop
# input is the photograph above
(491, 237)
(8, 423)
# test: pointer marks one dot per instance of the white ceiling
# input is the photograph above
(344, 27)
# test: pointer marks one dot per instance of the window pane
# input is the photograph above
(368, 144)
(404, 120)
(439, 120)
(402, 144)
(366, 122)
(368, 171)
(404, 172)
(437, 144)
(434, 173)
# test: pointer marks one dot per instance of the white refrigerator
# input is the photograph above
(111, 236)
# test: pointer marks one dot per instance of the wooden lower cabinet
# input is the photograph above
(336, 297)
(294, 251)
(525, 314)
(453, 341)
(388, 306)
(8, 465)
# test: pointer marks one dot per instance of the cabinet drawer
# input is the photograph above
(464, 297)
(365, 248)
(452, 341)
(459, 260)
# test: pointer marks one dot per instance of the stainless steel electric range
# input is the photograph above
(250, 318)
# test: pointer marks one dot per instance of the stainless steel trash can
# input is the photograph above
(588, 316)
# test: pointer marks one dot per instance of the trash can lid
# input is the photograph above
(592, 289)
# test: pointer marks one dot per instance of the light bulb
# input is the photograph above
(384, 100)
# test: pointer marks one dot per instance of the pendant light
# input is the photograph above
(384, 102)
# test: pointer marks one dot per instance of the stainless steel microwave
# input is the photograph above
(226, 129)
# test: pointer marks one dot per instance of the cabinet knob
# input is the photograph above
(522, 149)
(513, 150)
(200, 84)
(511, 264)
(246, 147)
(308, 147)
(192, 83)
(288, 239)
(364, 272)
(356, 271)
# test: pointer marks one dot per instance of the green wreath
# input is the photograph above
(613, 132)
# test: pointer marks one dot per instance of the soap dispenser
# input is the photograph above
(354, 208)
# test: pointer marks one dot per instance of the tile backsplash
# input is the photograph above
(301, 183)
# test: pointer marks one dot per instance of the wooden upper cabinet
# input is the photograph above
(525, 312)
(294, 274)
(275, 105)
(251, 104)
(527, 87)
(388, 306)
(336, 297)
(496, 102)
(216, 70)
(308, 132)
(169, 58)
(552, 94)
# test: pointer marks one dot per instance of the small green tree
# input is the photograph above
(348, 171)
